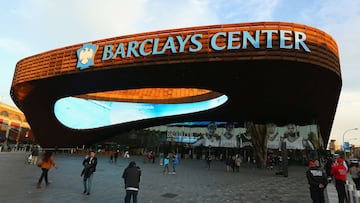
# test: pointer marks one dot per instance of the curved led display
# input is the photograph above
(80, 113)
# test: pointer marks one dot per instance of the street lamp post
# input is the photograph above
(344, 140)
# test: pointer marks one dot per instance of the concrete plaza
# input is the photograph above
(193, 182)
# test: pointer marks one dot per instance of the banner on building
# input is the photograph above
(230, 135)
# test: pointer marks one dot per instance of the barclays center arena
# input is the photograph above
(219, 89)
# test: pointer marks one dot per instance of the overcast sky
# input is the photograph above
(30, 27)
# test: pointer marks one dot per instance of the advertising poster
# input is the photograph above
(230, 135)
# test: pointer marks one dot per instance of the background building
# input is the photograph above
(14, 129)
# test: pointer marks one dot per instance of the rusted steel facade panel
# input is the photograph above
(60, 61)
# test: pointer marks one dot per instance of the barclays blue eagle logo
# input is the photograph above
(86, 56)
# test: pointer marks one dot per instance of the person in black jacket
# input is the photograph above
(131, 177)
(327, 167)
(89, 164)
(317, 180)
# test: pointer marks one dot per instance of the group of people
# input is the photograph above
(334, 170)
(114, 156)
(131, 174)
(150, 157)
(174, 160)
(233, 163)
(318, 178)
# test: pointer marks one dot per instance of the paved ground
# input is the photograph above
(193, 183)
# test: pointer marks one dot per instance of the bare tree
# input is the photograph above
(259, 138)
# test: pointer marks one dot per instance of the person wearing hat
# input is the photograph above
(339, 172)
(318, 181)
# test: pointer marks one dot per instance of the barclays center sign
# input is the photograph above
(192, 43)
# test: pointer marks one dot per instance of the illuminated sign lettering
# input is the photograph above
(234, 40)
(136, 49)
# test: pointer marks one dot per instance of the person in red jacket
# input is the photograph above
(339, 172)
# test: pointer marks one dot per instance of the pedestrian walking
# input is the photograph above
(328, 166)
(29, 159)
(166, 165)
(161, 159)
(153, 157)
(175, 161)
(228, 163)
(111, 157)
(354, 172)
(237, 163)
(116, 155)
(208, 161)
(126, 154)
(317, 180)
(339, 172)
(233, 163)
(150, 156)
(131, 176)
(47, 161)
(89, 163)
(34, 155)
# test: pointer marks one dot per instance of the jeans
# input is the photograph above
(87, 183)
(340, 188)
(44, 174)
(129, 194)
(166, 168)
